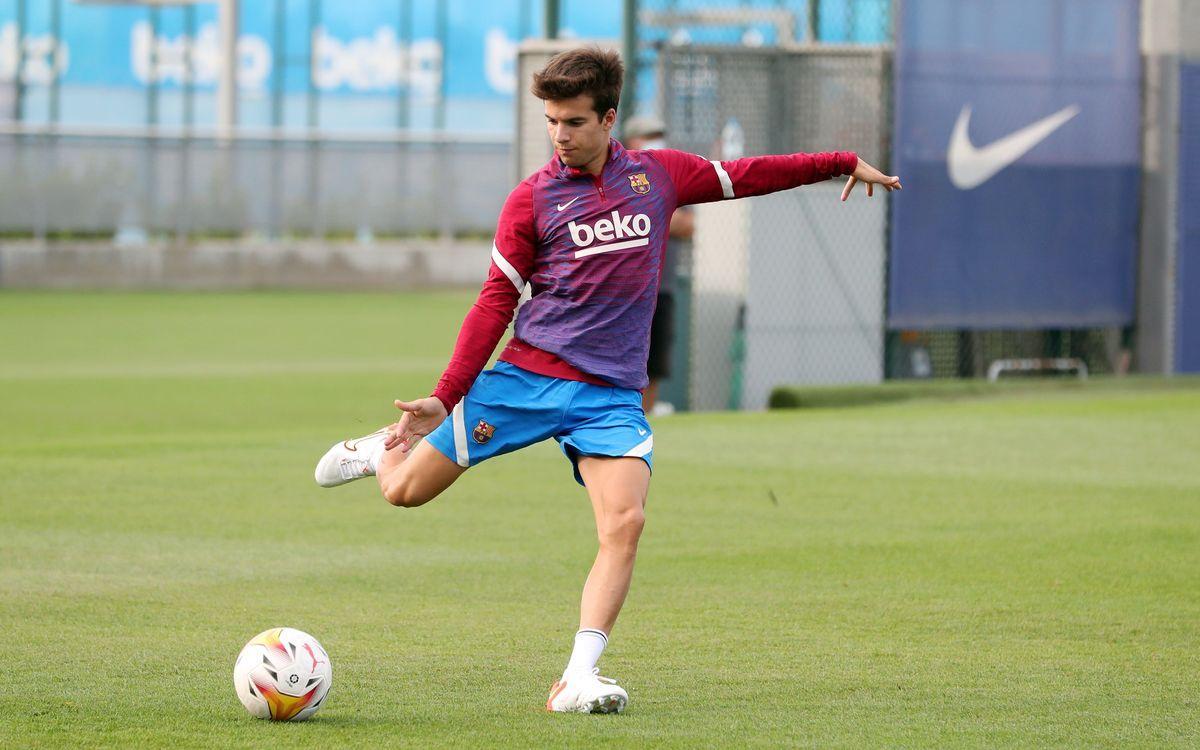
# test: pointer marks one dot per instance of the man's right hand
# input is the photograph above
(421, 417)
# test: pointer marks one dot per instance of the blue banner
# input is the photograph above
(1187, 266)
(370, 60)
(376, 64)
(1018, 139)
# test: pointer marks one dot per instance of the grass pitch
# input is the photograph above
(1015, 571)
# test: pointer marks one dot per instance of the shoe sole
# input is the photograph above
(606, 704)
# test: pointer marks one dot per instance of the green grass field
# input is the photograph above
(1013, 571)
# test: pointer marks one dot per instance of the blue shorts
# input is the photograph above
(509, 408)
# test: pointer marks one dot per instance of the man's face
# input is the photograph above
(579, 135)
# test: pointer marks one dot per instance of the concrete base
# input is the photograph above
(243, 264)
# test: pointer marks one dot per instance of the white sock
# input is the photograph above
(589, 644)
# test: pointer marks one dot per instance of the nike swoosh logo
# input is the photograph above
(970, 167)
(352, 445)
(641, 431)
(564, 205)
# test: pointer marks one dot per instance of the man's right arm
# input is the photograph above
(512, 265)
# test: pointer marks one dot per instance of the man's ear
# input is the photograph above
(610, 119)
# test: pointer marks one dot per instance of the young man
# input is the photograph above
(587, 232)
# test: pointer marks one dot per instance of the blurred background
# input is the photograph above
(1046, 146)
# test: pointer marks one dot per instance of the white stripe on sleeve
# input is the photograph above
(461, 457)
(723, 176)
(503, 264)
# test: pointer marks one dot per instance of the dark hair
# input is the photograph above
(587, 70)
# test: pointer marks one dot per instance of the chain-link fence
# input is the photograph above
(969, 354)
(80, 184)
(790, 287)
(777, 100)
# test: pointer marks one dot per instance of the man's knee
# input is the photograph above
(621, 529)
(402, 492)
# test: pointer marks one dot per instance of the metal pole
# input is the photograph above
(189, 121)
(629, 41)
(317, 225)
(19, 78)
(55, 85)
(149, 184)
(404, 90)
(278, 78)
(310, 93)
(439, 124)
(189, 71)
(227, 84)
(550, 14)
(152, 87)
(278, 83)
(443, 35)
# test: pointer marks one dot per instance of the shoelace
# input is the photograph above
(353, 467)
(605, 680)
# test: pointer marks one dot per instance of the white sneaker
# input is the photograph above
(350, 460)
(587, 694)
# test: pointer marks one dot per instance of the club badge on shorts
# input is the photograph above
(639, 183)
(483, 432)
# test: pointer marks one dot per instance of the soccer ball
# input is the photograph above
(282, 674)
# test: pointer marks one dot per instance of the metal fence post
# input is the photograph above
(313, 121)
(550, 16)
(629, 43)
(19, 78)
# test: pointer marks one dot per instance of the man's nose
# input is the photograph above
(561, 134)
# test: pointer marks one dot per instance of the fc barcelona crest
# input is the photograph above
(639, 183)
(483, 432)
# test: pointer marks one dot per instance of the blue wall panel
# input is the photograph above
(1018, 139)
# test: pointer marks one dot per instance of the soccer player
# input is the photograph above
(587, 233)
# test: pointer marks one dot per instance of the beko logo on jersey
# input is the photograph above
(617, 227)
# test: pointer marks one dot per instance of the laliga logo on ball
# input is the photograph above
(605, 230)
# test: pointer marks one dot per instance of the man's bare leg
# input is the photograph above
(417, 476)
(618, 489)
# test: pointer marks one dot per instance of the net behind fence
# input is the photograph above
(786, 288)
(969, 354)
(780, 99)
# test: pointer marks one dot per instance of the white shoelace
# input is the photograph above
(352, 468)
(601, 678)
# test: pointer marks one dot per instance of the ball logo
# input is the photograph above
(613, 230)
(293, 679)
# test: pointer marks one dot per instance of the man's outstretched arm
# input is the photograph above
(484, 326)
(698, 180)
